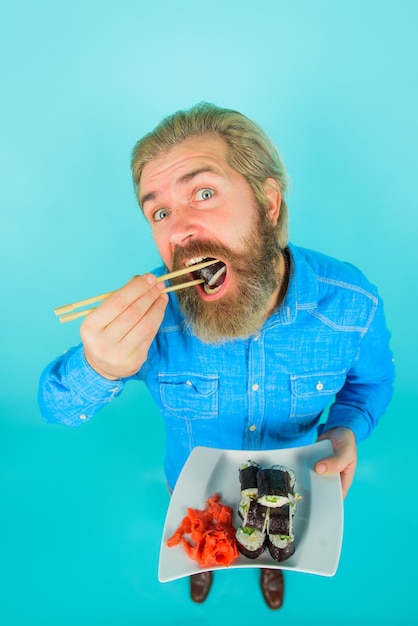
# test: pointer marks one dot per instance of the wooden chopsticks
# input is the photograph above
(68, 312)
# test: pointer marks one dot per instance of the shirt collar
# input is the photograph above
(302, 292)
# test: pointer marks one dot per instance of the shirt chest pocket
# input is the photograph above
(189, 396)
(311, 393)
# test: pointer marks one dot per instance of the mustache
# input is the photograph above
(203, 248)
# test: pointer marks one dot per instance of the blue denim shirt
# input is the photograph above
(326, 345)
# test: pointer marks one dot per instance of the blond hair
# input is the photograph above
(250, 150)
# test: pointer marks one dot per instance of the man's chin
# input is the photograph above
(216, 325)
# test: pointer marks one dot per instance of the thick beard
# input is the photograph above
(256, 270)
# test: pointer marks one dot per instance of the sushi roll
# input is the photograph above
(280, 520)
(281, 547)
(280, 539)
(250, 541)
(266, 508)
(257, 516)
(274, 487)
(248, 478)
(253, 514)
(292, 475)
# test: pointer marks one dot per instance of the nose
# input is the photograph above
(182, 228)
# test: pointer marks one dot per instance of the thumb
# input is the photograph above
(344, 451)
(335, 463)
(343, 461)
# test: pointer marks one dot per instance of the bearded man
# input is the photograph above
(252, 356)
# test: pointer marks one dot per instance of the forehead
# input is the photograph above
(196, 151)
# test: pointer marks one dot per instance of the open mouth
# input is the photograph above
(214, 275)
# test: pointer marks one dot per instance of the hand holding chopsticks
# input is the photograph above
(69, 312)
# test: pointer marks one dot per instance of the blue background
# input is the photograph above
(335, 85)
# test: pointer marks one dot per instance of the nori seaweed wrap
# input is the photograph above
(292, 475)
(280, 520)
(257, 516)
(274, 487)
(248, 478)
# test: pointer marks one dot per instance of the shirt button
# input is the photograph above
(255, 387)
(252, 427)
(189, 383)
(257, 337)
(319, 386)
(83, 416)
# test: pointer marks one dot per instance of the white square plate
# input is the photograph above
(318, 522)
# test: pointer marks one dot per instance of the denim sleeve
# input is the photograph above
(369, 385)
(71, 392)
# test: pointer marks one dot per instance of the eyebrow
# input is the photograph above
(152, 195)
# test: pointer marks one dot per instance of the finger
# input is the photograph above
(126, 357)
(126, 306)
(115, 352)
(145, 329)
(330, 465)
(347, 477)
(137, 313)
(344, 451)
(343, 462)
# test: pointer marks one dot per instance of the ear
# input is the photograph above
(274, 199)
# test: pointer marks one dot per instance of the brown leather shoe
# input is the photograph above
(200, 585)
(272, 587)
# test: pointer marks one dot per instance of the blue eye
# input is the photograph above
(159, 215)
(204, 194)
